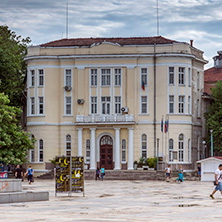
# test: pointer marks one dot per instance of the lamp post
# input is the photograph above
(212, 146)
(204, 143)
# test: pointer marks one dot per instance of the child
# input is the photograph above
(97, 173)
(168, 172)
(102, 173)
(180, 178)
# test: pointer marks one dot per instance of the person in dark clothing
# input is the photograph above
(97, 173)
(18, 172)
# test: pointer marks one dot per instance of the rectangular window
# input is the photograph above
(93, 77)
(41, 105)
(180, 151)
(32, 155)
(123, 156)
(105, 73)
(144, 146)
(117, 77)
(198, 80)
(68, 145)
(40, 150)
(93, 105)
(68, 77)
(189, 105)
(144, 76)
(143, 104)
(41, 77)
(171, 104)
(117, 104)
(171, 75)
(181, 104)
(68, 105)
(181, 77)
(105, 101)
(32, 101)
(189, 76)
(88, 151)
(32, 78)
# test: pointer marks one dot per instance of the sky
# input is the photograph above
(181, 20)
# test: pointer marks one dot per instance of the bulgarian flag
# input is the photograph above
(166, 126)
(143, 85)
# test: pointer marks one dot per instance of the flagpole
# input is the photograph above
(166, 141)
(162, 141)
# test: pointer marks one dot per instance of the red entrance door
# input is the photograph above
(106, 152)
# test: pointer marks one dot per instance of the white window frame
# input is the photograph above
(189, 105)
(32, 78)
(117, 104)
(123, 151)
(40, 151)
(68, 143)
(181, 76)
(32, 152)
(88, 151)
(189, 150)
(105, 105)
(144, 144)
(41, 78)
(32, 105)
(181, 144)
(41, 103)
(181, 104)
(171, 103)
(118, 76)
(68, 105)
(94, 105)
(93, 77)
(106, 77)
(171, 73)
(144, 104)
(189, 76)
(68, 77)
(144, 76)
(171, 149)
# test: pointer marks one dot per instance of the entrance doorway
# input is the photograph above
(106, 152)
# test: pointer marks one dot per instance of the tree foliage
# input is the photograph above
(13, 49)
(14, 142)
(214, 117)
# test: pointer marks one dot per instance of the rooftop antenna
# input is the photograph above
(157, 18)
(67, 20)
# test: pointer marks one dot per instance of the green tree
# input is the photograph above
(214, 117)
(14, 142)
(13, 49)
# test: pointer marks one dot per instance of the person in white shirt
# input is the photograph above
(218, 181)
(168, 172)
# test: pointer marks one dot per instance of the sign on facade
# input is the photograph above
(69, 175)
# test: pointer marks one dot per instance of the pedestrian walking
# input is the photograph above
(97, 173)
(18, 173)
(168, 172)
(218, 181)
(30, 173)
(199, 171)
(180, 178)
(102, 172)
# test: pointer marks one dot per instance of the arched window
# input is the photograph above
(87, 151)
(40, 150)
(144, 146)
(123, 151)
(170, 150)
(189, 151)
(32, 151)
(68, 145)
(181, 147)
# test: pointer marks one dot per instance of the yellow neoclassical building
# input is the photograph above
(104, 99)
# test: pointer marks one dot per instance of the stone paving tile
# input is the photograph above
(120, 201)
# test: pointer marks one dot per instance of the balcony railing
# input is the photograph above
(104, 119)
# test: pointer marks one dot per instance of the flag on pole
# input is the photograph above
(162, 124)
(143, 85)
(166, 126)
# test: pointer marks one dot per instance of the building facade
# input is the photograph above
(104, 99)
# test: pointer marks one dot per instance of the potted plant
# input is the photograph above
(135, 164)
(152, 163)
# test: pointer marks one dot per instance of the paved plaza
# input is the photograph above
(120, 201)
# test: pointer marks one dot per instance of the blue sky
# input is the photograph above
(181, 20)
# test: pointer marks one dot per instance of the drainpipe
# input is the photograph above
(154, 121)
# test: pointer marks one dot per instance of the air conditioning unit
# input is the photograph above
(68, 88)
(80, 101)
(125, 109)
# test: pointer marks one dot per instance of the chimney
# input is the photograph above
(191, 43)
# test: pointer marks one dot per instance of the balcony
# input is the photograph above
(104, 119)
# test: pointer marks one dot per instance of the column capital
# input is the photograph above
(116, 128)
(92, 129)
(79, 129)
(131, 128)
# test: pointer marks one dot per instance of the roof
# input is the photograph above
(121, 41)
(211, 76)
(217, 158)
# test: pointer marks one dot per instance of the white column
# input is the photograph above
(93, 149)
(117, 147)
(79, 141)
(130, 160)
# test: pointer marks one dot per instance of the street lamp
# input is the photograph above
(212, 146)
(204, 144)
